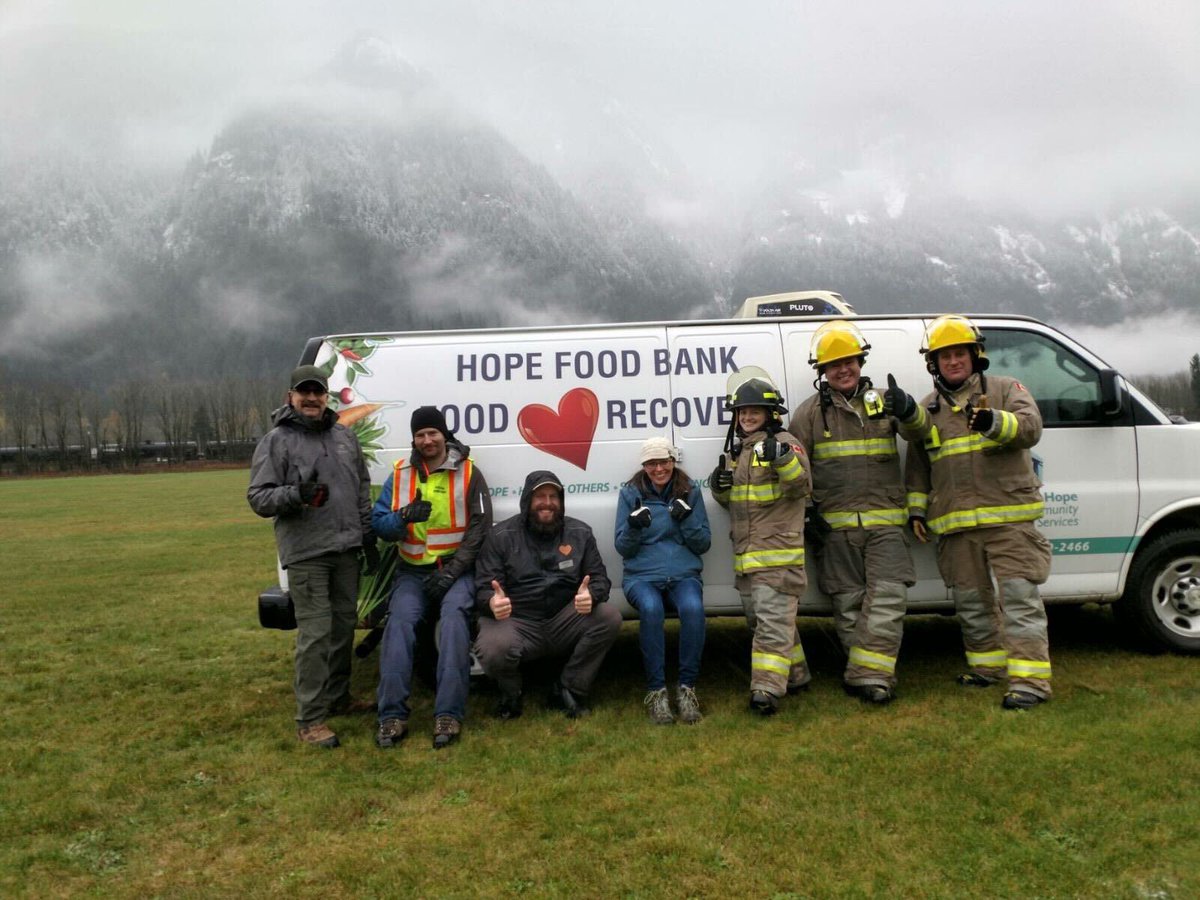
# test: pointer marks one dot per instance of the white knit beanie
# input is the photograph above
(658, 448)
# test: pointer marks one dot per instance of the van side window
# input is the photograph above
(1066, 388)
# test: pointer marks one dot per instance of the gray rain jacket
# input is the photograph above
(296, 450)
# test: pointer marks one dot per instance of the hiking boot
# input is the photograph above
(509, 706)
(446, 730)
(689, 706)
(1021, 700)
(318, 735)
(351, 706)
(970, 679)
(764, 703)
(391, 732)
(659, 707)
(574, 706)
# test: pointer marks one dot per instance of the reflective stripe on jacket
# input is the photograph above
(960, 479)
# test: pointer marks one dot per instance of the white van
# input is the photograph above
(1121, 481)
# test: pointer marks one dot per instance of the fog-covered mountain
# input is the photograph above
(369, 199)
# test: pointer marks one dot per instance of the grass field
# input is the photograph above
(147, 750)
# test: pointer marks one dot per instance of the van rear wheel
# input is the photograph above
(1161, 603)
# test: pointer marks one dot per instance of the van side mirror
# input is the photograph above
(1112, 394)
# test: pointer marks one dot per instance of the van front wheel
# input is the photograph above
(1161, 603)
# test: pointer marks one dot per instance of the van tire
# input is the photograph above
(1161, 603)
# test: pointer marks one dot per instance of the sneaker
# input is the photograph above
(764, 703)
(446, 730)
(391, 732)
(689, 706)
(509, 706)
(970, 679)
(658, 706)
(574, 706)
(1021, 700)
(318, 735)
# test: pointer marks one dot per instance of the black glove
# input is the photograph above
(721, 478)
(897, 402)
(370, 552)
(679, 509)
(816, 529)
(417, 511)
(313, 493)
(981, 419)
(770, 448)
(437, 583)
(640, 517)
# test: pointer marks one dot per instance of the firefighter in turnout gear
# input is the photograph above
(764, 482)
(971, 482)
(856, 521)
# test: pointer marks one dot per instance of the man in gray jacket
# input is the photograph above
(308, 473)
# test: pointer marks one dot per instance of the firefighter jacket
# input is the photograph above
(766, 505)
(959, 479)
(539, 573)
(299, 449)
(855, 464)
(458, 522)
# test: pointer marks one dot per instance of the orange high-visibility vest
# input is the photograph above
(442, 533)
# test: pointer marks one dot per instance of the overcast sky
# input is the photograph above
(1056, 106)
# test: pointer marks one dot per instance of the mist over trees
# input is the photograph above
(372, 200)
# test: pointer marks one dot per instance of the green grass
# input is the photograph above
(147, 750)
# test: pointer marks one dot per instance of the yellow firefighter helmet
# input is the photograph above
(835, 341)
(953, 331)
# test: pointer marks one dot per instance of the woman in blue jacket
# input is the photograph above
(662, 529)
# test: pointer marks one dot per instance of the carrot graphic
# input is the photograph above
(353, 414)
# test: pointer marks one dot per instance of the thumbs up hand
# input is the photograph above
(500, 604)
(897, 402)
(722, 478)
(583, 597)
(417, 511)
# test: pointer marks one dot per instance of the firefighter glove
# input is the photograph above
(981, 419)
(313, 493)
(897, 402)
(437, 584)
(771, 449)
(680, 509)
(721, 478)
(640, 517)
(417, 511)
(816, 529)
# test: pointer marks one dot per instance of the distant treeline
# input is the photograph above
(59, 429)
(134, 423)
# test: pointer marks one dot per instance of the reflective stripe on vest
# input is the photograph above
(986, 515)
(421, 543)
(1029, 668)
(843, 449)
(753, 560)
(869, 660)
(989, 659)
(867, 518)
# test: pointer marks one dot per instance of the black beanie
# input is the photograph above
(429, 417)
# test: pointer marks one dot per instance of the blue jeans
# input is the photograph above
(407, 608)
(686, 597)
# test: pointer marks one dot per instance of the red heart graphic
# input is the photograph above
(567, 433)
